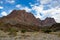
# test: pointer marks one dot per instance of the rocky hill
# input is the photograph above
(22, 17)
(48, 21)
(21, 20)
(24, 20)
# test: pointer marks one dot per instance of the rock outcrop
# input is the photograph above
(48, 22)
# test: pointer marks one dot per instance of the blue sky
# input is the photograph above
(40, 8)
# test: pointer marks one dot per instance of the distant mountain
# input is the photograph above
(48, 22)
(25, 20)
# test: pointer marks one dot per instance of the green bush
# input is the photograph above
(12, 29)
(23, 31)
(47, 30)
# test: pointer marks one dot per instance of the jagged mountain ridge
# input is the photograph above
(48, 22)
(25, 20)
(21, 16)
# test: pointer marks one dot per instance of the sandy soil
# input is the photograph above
(29, 36)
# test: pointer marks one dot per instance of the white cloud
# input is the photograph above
(18, 6)
(34, 4)
(27, 9)
(4, 13)
(1, 7)
(1, 2)
(31, 4)
(45, 1)
(10, 1)
(23, 8)
(51, 3)
(54, 4)
(53, 12)
(10, 11)
(57, 17)
(38, 9)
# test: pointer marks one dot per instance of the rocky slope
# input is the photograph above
(21, 16)
(48, 22)
(24, 20)
(21, 20)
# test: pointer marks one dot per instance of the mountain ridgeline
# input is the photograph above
(20, 19)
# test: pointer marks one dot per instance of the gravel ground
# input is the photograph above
(29, 36)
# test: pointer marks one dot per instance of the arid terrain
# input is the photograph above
(22, 25)
(29, 36)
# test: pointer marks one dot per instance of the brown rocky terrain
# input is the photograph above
(24, 20)
(21, 16)
(19, 21)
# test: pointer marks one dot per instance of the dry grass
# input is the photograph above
(56, 33)
(28, 36)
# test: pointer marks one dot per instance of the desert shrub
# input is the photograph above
(1, 28)
(1, 24)
(23, 30)
(59, 35)
(55, 27)
(12, 31)
(47, 30)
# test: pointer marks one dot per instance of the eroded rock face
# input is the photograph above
(48, 22)
(22, 16)
(25, 20)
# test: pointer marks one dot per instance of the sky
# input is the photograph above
(39, 8)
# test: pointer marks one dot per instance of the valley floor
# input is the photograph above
(29, 36)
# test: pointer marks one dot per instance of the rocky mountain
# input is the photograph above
(21, 19)
(48, 21)
(24, 20)
(21, 16)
